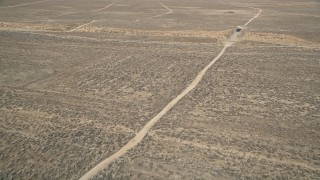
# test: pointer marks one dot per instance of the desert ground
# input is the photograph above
(169, 89)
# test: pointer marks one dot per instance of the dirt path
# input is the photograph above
(96, 10)
(82, 26)
(144, 131)
(18, 5)
(106, 7)
(238, 5)
(169, 12)
(138, 138)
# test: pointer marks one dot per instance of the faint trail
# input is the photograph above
(23, 4)
(249, 21)
(169, 12)
(144, 131)
(293, 14)
(260, 10)
(145, 42)
(46, 10)
(96, 10)
(56, 36)
(64, 14)
(82, 26)
(235, 151)
(135, 41)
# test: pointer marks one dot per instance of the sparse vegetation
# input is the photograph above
(71, 99)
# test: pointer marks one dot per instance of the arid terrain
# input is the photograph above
(169, 89)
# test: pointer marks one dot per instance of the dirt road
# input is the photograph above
(144, 131)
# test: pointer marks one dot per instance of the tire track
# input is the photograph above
(18, 5)
(67, 13)
(82, 25)
(96, 10)
(250, 20)
(234, 150)
(106, 7)
(169, 12)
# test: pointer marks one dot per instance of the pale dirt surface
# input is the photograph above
(279, 39)
(69, 100)
(252, 121)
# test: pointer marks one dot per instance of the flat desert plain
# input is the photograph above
(168, 89)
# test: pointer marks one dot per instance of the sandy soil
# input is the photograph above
(78, 81)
